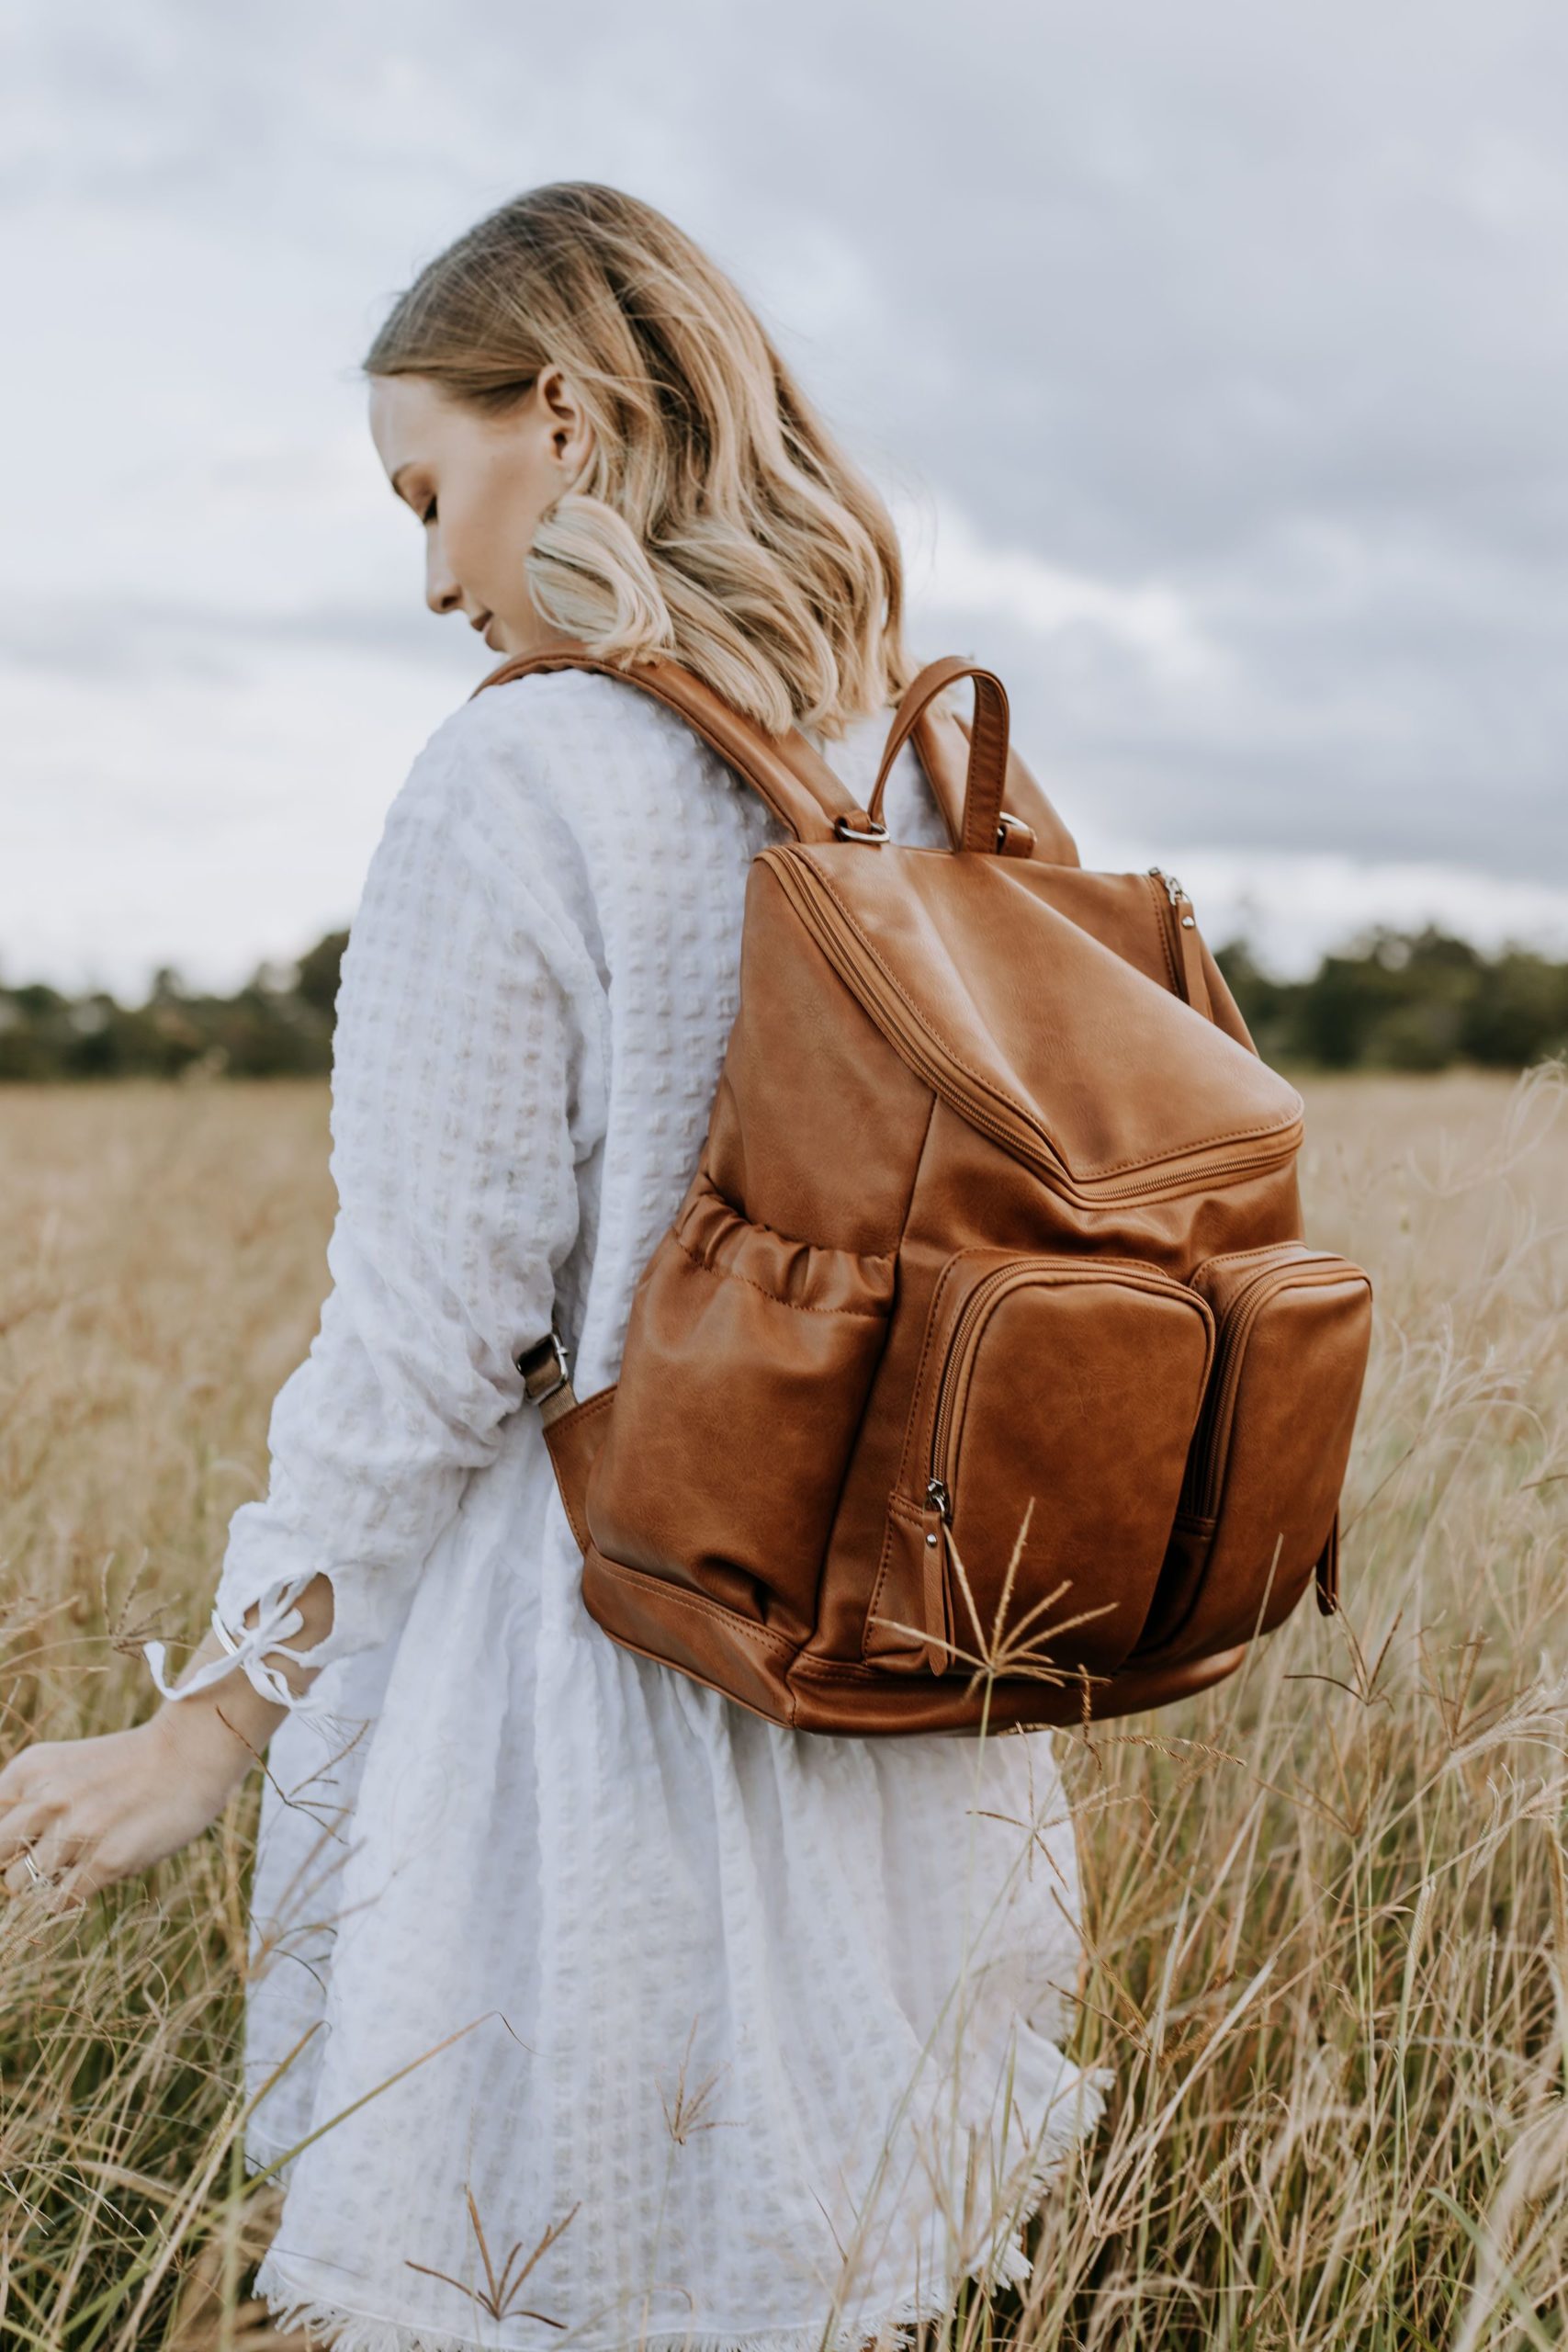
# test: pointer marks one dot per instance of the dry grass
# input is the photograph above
(1326, 1904)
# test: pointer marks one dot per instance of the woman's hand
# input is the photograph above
(91, 1811)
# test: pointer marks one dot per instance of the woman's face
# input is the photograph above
(480, 487)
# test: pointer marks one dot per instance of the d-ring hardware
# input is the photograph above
(846, 831)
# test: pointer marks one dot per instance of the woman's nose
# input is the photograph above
(442, 592)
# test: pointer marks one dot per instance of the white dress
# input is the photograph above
(545, 1937)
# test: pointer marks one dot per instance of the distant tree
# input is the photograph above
(1336, 1008)
(1266, 1005)
(316, 974)
(278, 1024)
(1519, 1013)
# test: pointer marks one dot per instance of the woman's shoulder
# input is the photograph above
(551, 748)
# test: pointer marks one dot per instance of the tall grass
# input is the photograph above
(1326, 1914)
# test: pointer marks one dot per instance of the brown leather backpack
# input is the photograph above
(983, 1376)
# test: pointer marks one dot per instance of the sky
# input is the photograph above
(1213, 360)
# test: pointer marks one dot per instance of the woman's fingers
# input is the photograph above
(44, 1832)
(65, 1889)
(54, 1890)
(16, 1787)
(21, 1827)
(84, 1812)
(44, 1846)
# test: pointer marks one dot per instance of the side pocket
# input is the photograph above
(1259, 1503)
(747, 1360)
(1070, 1384)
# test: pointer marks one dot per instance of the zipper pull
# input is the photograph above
(1191, 962)
(934, 1518)
(1194, 986)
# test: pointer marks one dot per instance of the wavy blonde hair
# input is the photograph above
(717, 521)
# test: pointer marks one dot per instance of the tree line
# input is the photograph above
(278, 1025)
(1412, 1000)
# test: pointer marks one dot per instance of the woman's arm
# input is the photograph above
(469, 1060)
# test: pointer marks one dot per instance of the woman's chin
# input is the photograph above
(508, 639)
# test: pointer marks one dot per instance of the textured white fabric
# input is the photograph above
(536, 1923)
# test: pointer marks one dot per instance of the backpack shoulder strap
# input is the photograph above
(802, 791)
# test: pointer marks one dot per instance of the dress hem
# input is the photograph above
(337, 2327)
(352, 2331)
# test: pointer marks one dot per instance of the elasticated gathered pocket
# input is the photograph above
(748, 1359)
(1258, 1509)
(1065, 1388)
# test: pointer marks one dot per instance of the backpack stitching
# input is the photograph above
(1235, 1135)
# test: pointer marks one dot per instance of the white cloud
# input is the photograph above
(955, 570)
(218, 815)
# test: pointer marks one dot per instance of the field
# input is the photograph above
(1326, 1904)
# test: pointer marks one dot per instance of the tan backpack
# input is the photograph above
(983, 1376)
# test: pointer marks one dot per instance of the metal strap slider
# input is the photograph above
(543, 1367)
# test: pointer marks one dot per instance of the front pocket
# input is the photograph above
(1073, 1385)
(747, 1362)
(1258, 1506)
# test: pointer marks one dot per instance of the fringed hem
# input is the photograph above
(332, 2325)
(335, 2328)
(1058, 2137)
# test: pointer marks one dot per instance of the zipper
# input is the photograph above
(1200, 1495)
(1181, 929)
(939, 1494)
(960, 1347)
(1168, 897)
(980, 1105)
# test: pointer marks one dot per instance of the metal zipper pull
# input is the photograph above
(933, 1564)
(1194, 986)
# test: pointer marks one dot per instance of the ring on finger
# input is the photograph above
(39, 1878)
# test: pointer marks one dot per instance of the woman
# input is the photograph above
(743, 2035)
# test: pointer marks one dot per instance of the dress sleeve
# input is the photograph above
(468, 1084)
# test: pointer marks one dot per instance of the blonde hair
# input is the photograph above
(717, 521)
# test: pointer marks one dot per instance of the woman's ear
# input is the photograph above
(570, 433)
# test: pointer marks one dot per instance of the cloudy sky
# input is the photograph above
(1214, 359)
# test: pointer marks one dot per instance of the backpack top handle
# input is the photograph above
(986, 776)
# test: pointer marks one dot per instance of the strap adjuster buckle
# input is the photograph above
(536, 1364)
